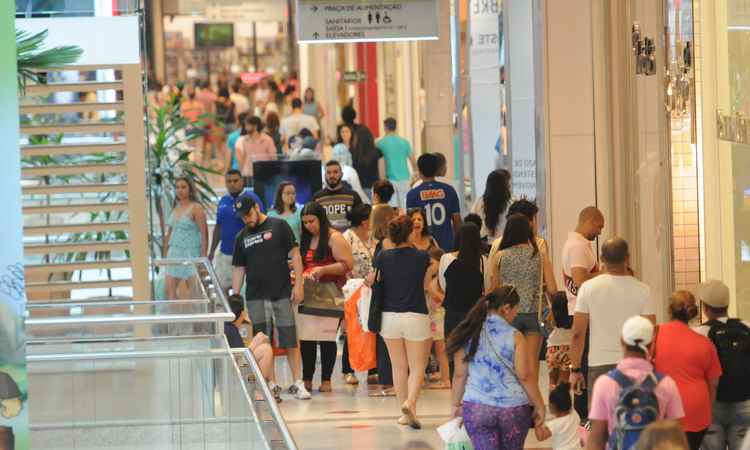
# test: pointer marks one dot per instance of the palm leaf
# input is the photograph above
(32, 57)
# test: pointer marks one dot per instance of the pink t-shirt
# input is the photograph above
(607, 392)
(577, 252)
(257, 148)
(692, 370)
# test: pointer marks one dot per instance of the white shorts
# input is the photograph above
(401, 188)
(223, 267)
(409, 326)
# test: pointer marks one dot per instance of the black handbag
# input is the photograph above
(375, 316)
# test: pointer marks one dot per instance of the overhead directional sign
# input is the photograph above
(329, 21)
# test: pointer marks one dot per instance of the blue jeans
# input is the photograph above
(730, 425)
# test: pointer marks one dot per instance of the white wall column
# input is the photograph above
(436, 73)
(571, 153)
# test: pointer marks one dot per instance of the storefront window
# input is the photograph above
(685, 148)
(734, 147)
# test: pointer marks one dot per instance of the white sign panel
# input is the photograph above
(124, 49)
(242, 10)
(487, 96)
(366, 20)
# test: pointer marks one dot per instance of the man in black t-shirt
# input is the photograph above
(260, 258)
(337, 198)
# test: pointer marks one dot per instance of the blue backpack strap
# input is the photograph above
(620, 378)
(651, 380)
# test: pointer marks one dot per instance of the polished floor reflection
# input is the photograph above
(347, 418)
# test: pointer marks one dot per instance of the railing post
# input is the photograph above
(136, 170)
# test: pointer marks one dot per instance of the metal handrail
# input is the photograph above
(209, 268)
(84, 303)
(136, 354)
(286, 435)
(97, 320)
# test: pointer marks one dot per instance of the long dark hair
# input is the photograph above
(496, 197)
(362, 147)
(468, 331)
(518, 230)
(278, 202)
(314, 209)
(469, 245)
(425, 229)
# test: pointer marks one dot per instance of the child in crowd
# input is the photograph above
(260, 345)
(563, 428)
(558, 343)
(437, 324)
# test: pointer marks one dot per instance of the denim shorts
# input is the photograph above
(269, 314)
(527, 324)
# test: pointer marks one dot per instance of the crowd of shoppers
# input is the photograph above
(472, 293)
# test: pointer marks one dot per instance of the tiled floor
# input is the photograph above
(347, 418)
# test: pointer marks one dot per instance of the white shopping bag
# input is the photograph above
(316, 328)
(363, 306)
(454, 435)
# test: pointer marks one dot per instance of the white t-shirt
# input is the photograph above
(577, 252)
(560, 336)
(478, 209)
(241, 103)
(610, 300)
(565, 434)
(292, 125)
(446, 261)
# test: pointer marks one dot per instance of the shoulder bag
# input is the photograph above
(375, 317)
(322, 299)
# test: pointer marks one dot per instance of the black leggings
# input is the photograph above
(452, 319)
(385, 369)
(309, 352)
(695, 438)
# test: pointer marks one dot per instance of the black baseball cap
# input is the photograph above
(243, 205)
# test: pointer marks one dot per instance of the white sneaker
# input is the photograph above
(299, 391)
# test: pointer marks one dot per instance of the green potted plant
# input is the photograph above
(170, 139)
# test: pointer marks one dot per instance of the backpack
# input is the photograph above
(732, 341)
(636, 408)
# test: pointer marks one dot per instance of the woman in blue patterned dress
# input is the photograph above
(492, 388)
(187, 235)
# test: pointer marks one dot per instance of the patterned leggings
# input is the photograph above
(492, 428)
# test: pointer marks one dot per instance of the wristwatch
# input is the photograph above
(575, 369)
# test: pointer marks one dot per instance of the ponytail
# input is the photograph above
(468, 331)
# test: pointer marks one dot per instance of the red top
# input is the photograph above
(310, 264)
(691, 360)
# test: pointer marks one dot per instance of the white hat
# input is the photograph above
(638, 331)
(714, 293)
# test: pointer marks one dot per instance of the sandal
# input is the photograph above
(439, 385)
(410, 416)
(325, 386)
(389, 392)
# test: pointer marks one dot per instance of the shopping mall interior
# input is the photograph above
(122, 119)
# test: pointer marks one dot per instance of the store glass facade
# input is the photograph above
(724, 35)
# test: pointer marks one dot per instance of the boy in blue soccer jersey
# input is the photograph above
(439, 201)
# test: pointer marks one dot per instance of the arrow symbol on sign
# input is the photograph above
(316, 35)
(315, 8)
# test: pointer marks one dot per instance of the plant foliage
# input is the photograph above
(32, 57)
(171, 138)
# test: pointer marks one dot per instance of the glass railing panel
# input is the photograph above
(197, 307)
(170, 398)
